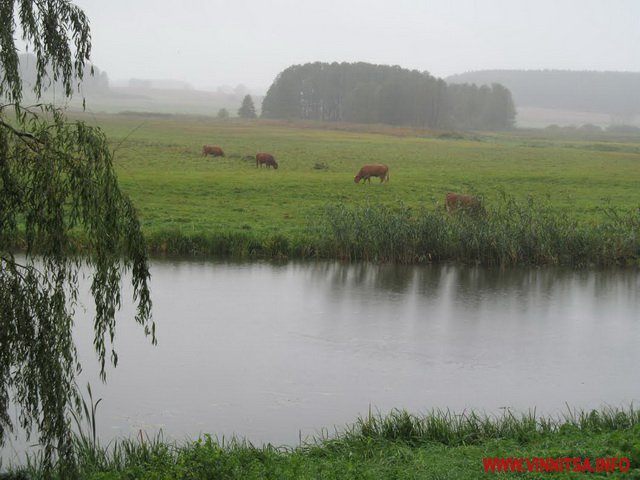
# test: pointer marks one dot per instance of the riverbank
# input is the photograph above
(548, 199)
(602, 443)
(508, 233)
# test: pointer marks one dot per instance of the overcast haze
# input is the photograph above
(209, 43)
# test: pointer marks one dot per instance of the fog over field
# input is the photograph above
(209, 43)
(202, 57)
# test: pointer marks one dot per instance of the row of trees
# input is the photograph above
(366, 93)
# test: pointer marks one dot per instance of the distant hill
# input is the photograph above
(613, 95)
(168, 100)
(141, 95)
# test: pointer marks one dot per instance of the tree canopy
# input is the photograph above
(366, 93)
(60, 210)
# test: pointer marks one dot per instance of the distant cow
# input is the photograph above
(266, 159)
(213, 151)
(376, 170)
(454, 201)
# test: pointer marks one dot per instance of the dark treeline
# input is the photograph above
(366, 93)
(616, 93)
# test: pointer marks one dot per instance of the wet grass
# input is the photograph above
(440, 444)
(190, 204)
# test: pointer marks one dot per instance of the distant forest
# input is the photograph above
(615, 93)
(366, 93)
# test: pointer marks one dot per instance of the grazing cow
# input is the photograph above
(376, 170)
(266, 159)
(454, 201)
(213, 151)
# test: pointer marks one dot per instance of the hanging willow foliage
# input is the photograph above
(56, 177)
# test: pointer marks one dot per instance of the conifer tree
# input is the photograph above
(248, 109)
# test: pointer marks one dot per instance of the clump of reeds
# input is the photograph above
(508, 232)
(226, 244)
(470, 428)
(511, 232)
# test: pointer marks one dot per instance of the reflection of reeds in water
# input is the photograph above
(511, 233)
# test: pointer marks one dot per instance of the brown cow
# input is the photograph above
(375, 170)
(213, 151)
(266, 159)
(454, 201)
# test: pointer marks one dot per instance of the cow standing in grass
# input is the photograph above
(212, 150)
(266, 159)
(454, 201)
(375, 170)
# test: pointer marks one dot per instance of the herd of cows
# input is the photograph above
(453, 201)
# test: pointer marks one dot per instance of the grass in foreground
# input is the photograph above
(440, 445)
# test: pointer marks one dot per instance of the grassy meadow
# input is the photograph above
(191, 204)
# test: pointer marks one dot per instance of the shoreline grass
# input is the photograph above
(440, 444)
(510, 233)
(507, 233)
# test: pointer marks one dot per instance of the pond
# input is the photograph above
(278, 352)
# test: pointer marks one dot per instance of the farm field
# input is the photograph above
(181, 194)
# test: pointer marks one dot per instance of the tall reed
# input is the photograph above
(467, 428)
(512, 232)
(508, 232)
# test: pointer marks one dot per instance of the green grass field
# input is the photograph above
(182, 195)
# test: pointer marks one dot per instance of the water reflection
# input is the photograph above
(274, 351)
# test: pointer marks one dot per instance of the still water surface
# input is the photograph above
(277, 352)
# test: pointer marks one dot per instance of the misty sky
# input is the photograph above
(217, 42)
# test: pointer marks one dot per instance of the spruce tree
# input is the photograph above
(248, 109)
